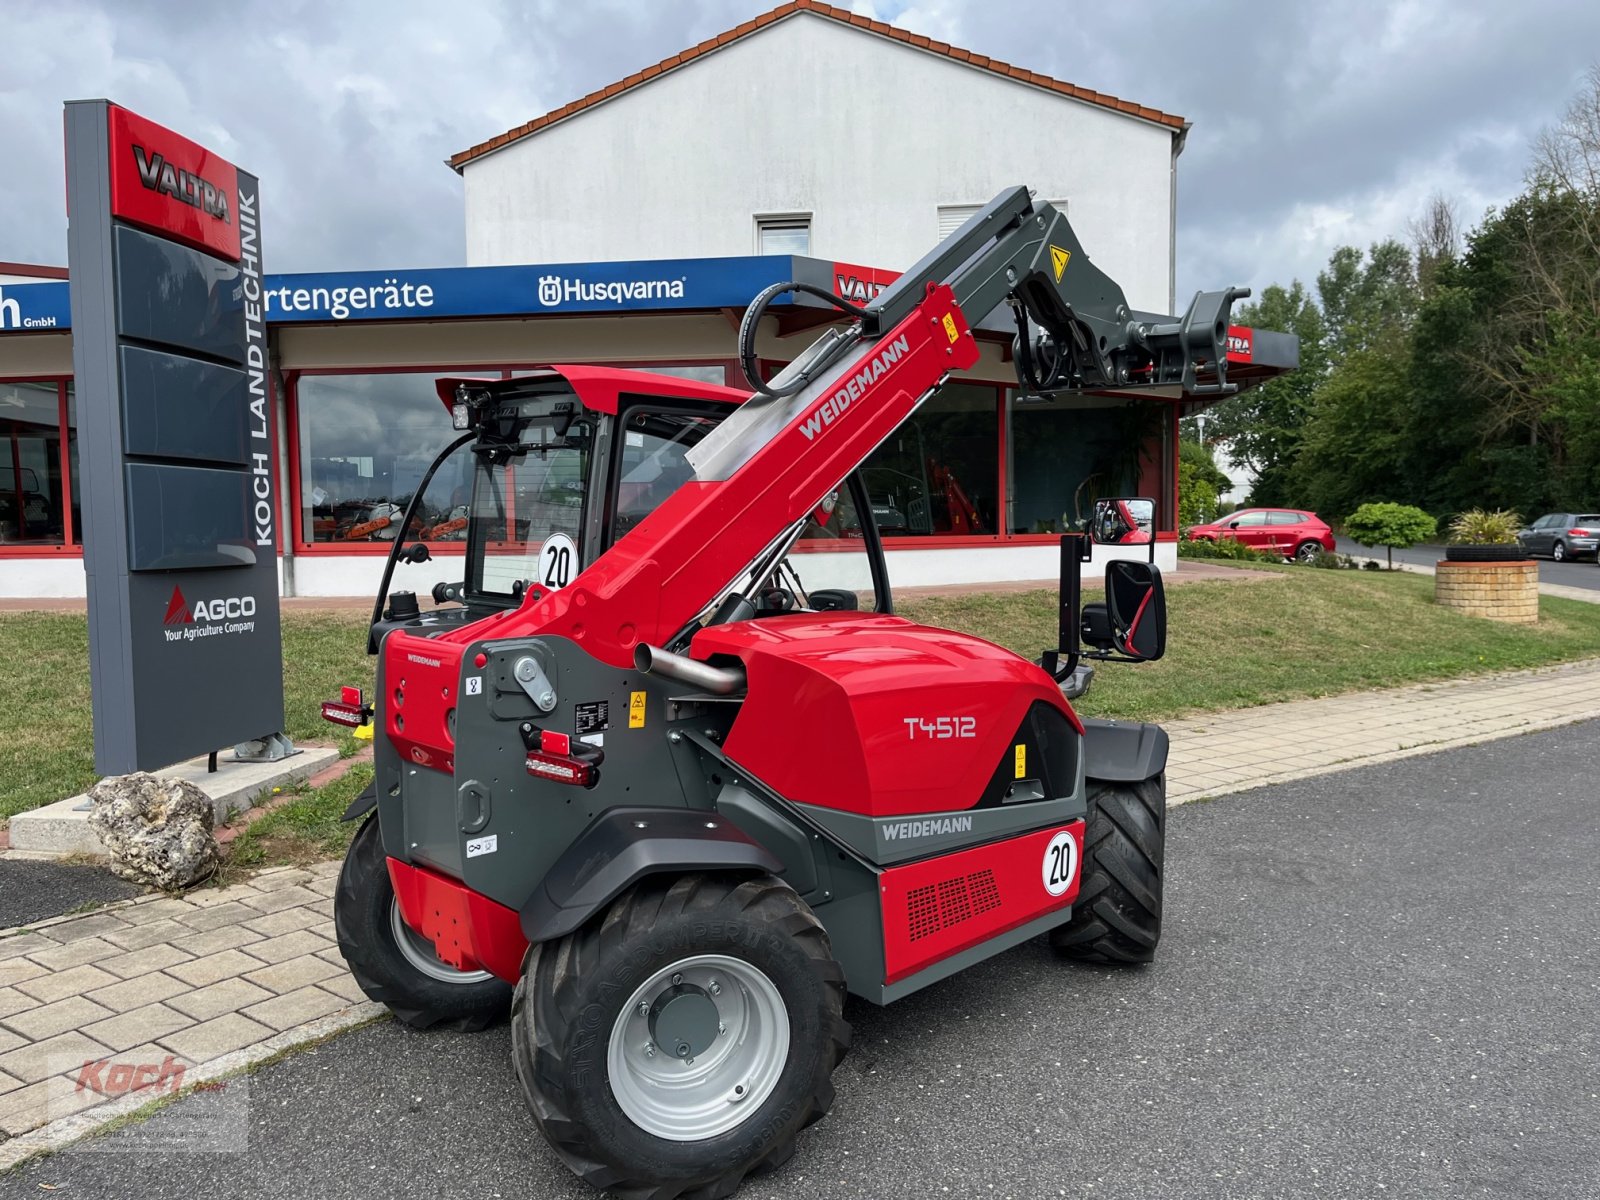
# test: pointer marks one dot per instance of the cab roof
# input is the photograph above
(598, 387)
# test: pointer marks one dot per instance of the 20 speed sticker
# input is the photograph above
(1060, 863)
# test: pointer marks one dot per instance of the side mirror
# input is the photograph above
(1233, 524)
(1136, 608)
(1124, 521)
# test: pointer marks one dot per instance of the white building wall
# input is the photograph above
(867, 134)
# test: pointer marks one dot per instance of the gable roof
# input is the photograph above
(844, 17)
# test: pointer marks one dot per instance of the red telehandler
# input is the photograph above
(641, 787)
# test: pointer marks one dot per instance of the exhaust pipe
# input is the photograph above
(721, 681)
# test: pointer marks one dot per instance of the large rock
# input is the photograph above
(157, 831)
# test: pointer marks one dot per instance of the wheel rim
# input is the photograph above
(1558, 552)
(729, 1041)
(1309, 551)
(418, 951)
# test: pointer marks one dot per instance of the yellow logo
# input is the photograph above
(1059, 259)
(636, 710)
(1022, 762)
(950, 330)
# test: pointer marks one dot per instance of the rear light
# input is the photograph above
(1579, 533)
(551, 742)
(351, 697)
(349, 715)
(560, 768)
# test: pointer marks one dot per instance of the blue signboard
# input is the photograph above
(34, 307)
(450, 292)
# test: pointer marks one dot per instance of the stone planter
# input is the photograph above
(1500, 591)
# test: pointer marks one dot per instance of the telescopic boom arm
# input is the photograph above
(770, 463)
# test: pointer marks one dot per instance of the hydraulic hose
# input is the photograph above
(757, 308)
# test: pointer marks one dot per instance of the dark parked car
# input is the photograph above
(1291, 532)
(1562, 535)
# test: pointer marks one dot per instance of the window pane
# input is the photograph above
(31, 487)
(1066, 453)
(700, 372)
(1248, 520)
(783, 237)
(938, 474)
(1283, 518)
(832, 556)
(654, 463)
(365, 443)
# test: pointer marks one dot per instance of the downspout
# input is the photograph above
(1178, 140)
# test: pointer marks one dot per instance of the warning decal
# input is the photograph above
(1059, 259)
(636, 710)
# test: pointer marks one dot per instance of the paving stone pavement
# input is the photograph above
(213, 981)
(109, 1010)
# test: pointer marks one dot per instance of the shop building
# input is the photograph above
(976, 487)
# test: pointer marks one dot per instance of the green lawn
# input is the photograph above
(1232, 643)
(48, 750)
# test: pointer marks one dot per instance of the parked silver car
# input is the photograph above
(1563, 535)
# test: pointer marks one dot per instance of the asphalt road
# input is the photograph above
(1582, 573)
(1378, 982)
(33, 890)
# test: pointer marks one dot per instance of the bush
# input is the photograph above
(1479, 527)
(1389, 526)
(1334, 562)
(1225, 548)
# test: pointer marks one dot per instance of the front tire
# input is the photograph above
(1117, 916)
(681, 1041)
(395, 965)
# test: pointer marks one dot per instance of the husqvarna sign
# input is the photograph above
(180, 527)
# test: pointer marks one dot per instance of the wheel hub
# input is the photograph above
(698, 1047)
(684, 1021)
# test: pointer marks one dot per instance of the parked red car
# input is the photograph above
(1286, 531)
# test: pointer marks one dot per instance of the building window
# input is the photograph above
(938, 474)
(33, 494)
(365, 442)
(1064, 454)
(953, 216)
(787, 234)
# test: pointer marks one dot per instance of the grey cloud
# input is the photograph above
(1314, 123)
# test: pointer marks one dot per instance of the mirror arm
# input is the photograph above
(1059, 662)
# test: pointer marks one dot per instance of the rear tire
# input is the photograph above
(627, 1114)
(394, 965)
(1117, 916)
(1558, 552)
(1306, 552)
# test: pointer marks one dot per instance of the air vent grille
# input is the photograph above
(937, 906)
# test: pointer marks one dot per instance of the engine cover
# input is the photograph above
(874, 715)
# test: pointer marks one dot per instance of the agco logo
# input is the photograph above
(226, 614)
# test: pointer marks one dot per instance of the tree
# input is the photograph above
(1436, 238)
(1366, 300)
(1389, 526)
(1200, 482)
(1263, 426)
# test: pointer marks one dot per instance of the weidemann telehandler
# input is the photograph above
(638, 785)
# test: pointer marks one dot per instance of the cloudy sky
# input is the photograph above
(1315, 123)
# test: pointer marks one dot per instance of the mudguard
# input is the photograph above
(624, 845)
(1123, 751)
(362, 804)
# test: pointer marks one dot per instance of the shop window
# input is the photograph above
(783, 235)
(700, 372)
(365, 442)
(1064, 454)
(33, 496)
(937, 475)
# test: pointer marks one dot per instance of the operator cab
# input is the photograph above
(564, 462)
